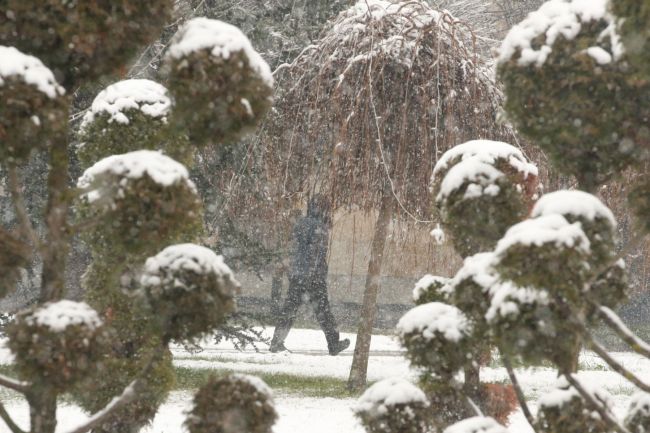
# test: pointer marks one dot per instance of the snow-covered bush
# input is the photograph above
(130, 115)
(567, 88)
(477, 424)
(143, 198)
(481, 188)
(431, 288)
(235, 403)
(58, 343)
(190, 290)
(637, 418)
(82, 40)
(32, 108)
(394, 405)
(564, 410)
(436, 337)
(634, 31)
(217, 111)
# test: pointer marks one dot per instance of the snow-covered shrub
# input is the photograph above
(596, 221)
(217, 111)
(143, 198)
(190, 290)
(32, 106)
(58, 343)
(634, 31)
(564, 410)
(82, 40)
(431, 288)
(448, 403)
(547, 253)
(637, 418)
(477, 424)
(469, 288)
(525, 322)
(393, 405)
(481, 188)
(567, 89)
(610, 289)
(126, 116)
(235, 403)
(436, 337)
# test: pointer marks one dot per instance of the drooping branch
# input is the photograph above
(10, 422)
(602, 410)
(518, 391)
(27, 230)
(127, 396)
(612, 320)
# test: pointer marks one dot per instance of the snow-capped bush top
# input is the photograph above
(380, 397)
(222, 39)
(487, 151)
(57, 316)
(553, 229)
(639, 406)
(477, 424)
(481, 175)
(435, 317)
(147, 96)
(477, 267)
(557, 18)
(577, 203)
(423, 284)
(133, 165)
(507, 298)
(31, 70)
(255, 382)
(183, 257)
(564, 393)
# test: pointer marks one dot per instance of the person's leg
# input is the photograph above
(320, 303)
(287, 315)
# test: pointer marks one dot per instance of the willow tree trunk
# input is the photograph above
(359, 369)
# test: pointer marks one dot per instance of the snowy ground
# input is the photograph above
(309, 358)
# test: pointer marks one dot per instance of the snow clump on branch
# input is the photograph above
(17, 65)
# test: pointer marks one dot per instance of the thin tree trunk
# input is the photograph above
(359, 369)
(42, 409)
(55, 248)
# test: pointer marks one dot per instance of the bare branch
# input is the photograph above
(613, 321)
(520, 394)
(616, 366)
(127, 396)
(591, 401)
(14, 384)
(10, 422)
(27, 230)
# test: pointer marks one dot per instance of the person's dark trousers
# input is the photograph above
(319, 301)
(294, 299)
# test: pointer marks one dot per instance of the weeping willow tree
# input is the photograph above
(363, 115)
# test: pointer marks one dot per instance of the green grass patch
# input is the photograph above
(318, 386)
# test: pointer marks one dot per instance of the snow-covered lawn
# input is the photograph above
(309, 358)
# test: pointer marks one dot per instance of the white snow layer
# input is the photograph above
(477, 424)
(58, 316)
(487, 151)
(423, 284)
(507, 297)
(134, 165)
(29, 69)
(563, 394)
(435, 318)
(146, 96)
(221, 39)
(478, 268)
(255, 382)
(639, 405)
(480, 175)
(577, 203)
(381, 396)
(557, 18)
(547, 229)
(183, 257)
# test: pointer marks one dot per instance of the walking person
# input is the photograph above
(308, 277)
